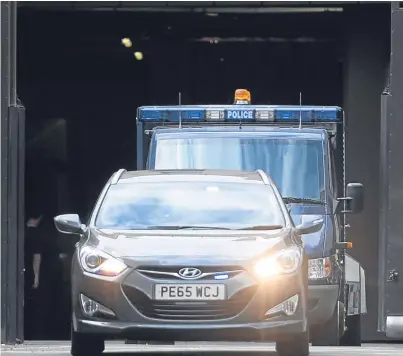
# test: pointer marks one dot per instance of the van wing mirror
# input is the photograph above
(354, 198)
(310, 227)
(69, 224)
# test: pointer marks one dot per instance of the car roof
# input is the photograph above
(185, 175)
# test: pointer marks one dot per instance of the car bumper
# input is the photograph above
(137, 316)
(322, 301)
(273, 330)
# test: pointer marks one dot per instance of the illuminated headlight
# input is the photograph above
(98, 262)
(264, 115)
(319, 268)
(94, 309)
(282, 262)
(215, 115)
(288, 307)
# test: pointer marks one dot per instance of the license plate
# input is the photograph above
(190, 292)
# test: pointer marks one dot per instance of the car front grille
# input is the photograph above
(208, 272)
(188, 311)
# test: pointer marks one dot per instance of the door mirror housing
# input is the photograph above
(355, 191)
(310, 227)
(354, 198)
(69, 224)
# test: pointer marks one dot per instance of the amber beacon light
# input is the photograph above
(242, 96)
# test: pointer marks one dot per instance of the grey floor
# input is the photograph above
(250, 349)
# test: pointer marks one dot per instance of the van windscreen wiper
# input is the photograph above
(288, 200)
(262, 227)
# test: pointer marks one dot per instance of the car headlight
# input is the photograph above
(98, 262)
(282, 262)
(319, 268)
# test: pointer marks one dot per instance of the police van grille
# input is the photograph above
(211, 310)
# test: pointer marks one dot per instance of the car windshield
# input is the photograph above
(295, 165)
(187, 204)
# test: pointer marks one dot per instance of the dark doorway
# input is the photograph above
(81, 87)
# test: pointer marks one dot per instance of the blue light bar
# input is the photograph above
(241, 113)
(171, 114)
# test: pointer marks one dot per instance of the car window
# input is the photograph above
(185, 204)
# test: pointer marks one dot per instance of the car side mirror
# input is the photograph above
(69, 224)
(354, 198)
(310, 227)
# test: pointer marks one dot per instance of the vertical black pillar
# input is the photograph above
(3, 112)
(366, 58)
(12, 183)
(393, 287)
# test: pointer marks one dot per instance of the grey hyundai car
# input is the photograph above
(189, 255)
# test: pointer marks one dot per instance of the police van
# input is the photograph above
(303, 149)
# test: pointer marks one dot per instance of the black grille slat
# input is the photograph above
(186, 313)
(191, 310)
(205, 269)
(162, 276)
(192, 303)
(189, 307)
(191, 317)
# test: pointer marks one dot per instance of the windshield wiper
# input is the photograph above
(262, 227)
(186, 227)
(288, 200)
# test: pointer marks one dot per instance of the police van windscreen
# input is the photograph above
(296, 165)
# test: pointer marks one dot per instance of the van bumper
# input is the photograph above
(322, 300)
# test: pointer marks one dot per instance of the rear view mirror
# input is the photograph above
(69, 224)
(355, 197)
(310, 227)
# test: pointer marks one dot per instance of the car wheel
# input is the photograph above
(86, 344)
(142, 342)
(352, 336)
(330, 333)
(154, 342)
(298, 345)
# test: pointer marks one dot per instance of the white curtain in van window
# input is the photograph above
(294, 165)
(198, 154)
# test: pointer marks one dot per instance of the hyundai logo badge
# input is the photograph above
(190, 273)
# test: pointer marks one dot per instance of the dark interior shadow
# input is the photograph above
(212, 353)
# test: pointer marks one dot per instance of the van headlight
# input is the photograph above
(281, 262)
(319, 268)
(98, 262)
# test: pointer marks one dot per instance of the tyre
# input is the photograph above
(142, 342)
(154, 342)
(298, 345)
(86, 344)
(352, 336)
(330, 333)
